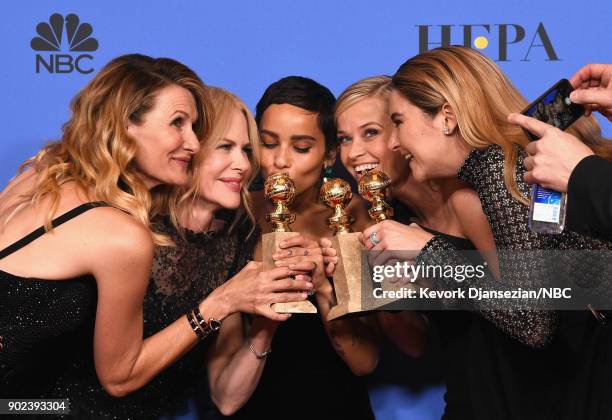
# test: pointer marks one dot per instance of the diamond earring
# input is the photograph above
(446, 131)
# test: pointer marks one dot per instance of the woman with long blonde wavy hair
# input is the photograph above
(134, 128)
(450, 107)
(207, 251)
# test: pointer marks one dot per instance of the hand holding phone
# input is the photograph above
(555, 107)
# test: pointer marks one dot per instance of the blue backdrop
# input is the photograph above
(244, 46)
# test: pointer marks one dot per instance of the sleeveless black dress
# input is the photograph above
(304, 378)
(42, 322)
(181, 277)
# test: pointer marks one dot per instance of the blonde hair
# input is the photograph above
(480, 95)
(224, 103)
(370, 87)
(95, 150)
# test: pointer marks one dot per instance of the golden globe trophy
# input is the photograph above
(372, 187)
(336, 193)
(353, 284)
(280, 189)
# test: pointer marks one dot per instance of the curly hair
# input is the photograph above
(95, 151)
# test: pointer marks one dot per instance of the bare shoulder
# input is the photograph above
(119, 255)
(118, 234)
(465, 199)
(466, 205)
(474, 223)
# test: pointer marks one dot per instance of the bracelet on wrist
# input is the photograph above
(200, 326)
(258, 354)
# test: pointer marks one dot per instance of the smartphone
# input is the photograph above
(554, 107)
(547, 207)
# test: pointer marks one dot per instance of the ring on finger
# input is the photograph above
(374, 239)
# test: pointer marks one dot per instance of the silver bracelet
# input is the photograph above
(256, 353)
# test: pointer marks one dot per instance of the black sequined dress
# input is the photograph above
(520, 361)
(41, 322)
(181, 277)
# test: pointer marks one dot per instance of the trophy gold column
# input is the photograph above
(336, 193)
(281, 190)
(353, 283)
(352, 279)
(372, 187)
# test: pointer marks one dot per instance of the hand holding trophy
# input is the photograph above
(280, 189)
(336, 193)
(352, 279)
(372, 187)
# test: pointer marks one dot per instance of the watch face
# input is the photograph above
(214, 324)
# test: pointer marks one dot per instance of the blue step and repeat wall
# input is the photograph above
(52, 48)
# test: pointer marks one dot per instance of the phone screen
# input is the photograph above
(555, 107)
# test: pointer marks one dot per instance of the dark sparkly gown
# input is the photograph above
(520, 362)
(181, 277)
(41, 322)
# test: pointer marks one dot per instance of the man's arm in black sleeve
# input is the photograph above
(589, 198)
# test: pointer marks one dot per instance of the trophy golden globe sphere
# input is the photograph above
(372, 187)
(373, 183)
(336, 192)
(279, 187)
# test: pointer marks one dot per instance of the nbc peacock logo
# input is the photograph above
(62, 33)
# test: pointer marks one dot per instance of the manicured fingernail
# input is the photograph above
(309, 285)
(291, 265)
(282, 244)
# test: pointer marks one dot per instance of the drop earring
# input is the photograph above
(327, 171)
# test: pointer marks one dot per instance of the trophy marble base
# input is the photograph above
(353, 282)
(269, 246)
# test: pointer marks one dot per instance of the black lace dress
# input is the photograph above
(520, 361)
(181, 277)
